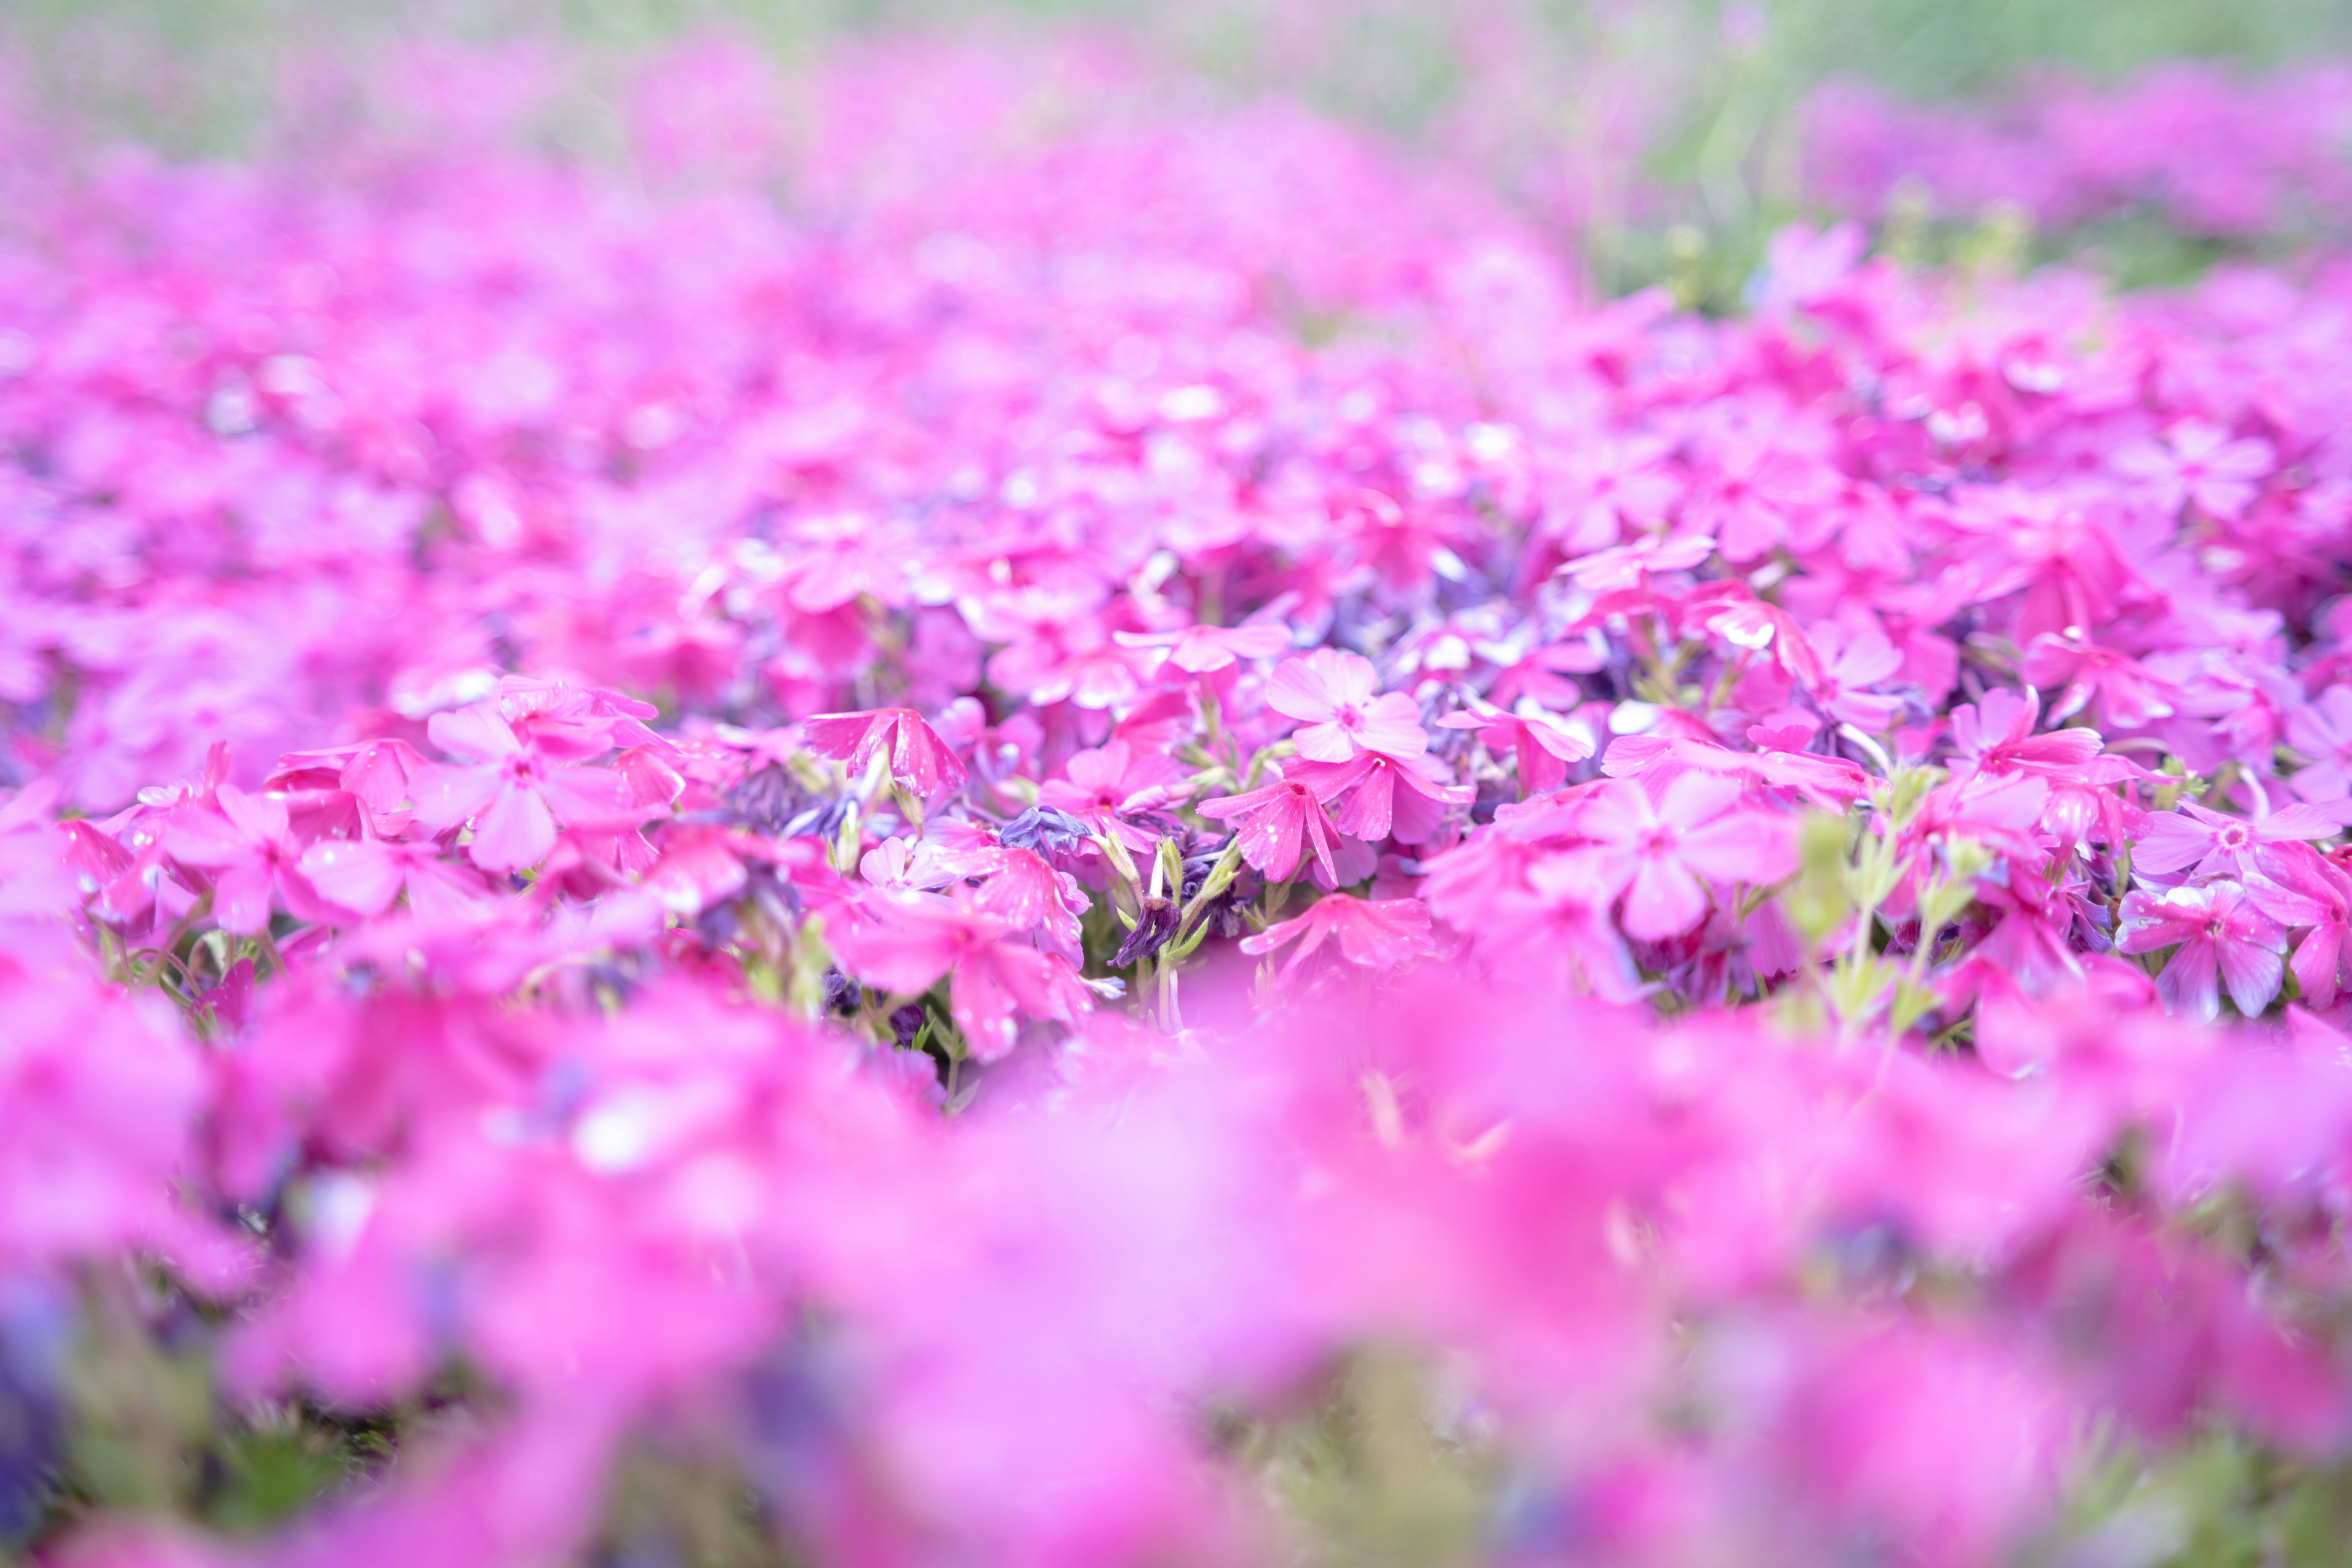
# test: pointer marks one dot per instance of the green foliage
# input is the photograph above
(1377, 1469)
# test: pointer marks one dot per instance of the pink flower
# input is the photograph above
(1278, 824)
(913, 939)
(1661, 853)
(2219, 932)
(920, 761)
(1372, 934)
(1377, 795)
(1030, 895)
(1605, 489)
(2198, 462)
(1852, 663)
(1544, 745)
(1199, 650)
(2213, 844)
(2127, 696)
(2322, 730)
(1111, 783)
(366, 875)
(2297, 886)
(516, 793)
(250, 849)
(1995, 735)
(1625, 566)
(1332, 693)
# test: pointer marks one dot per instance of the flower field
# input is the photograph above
(977, 807)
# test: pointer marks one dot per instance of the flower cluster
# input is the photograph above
(2207, 154)
(1110, 839)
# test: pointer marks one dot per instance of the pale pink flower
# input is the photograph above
(366, 875)
(2219, 935)
(1370, 933)
(2198, 461)
(2210, 845)
(1199, 650)
(1663, 853)
(1333, 694)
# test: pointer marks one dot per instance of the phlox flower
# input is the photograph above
(2128, 695)
(910, 939)
(2219, 934)
(2208, 844)
(1278, 824)
(2198, 461)
(1622, 567)
(916, 866)
(1057, 648)
(1851, 664)
(1200, 650)
(1377, 795)
(1023, 888)
(366, 875)
(1605, 489)
(248, 846)
(330, 792)
(1111, 783)
(1661, 852)
(1543, 743)
(918, 760)
(100, 1097)
(2322, 730)
(515, 793)
(2298, 886)
(1332, 694)
(1371, 934)
(1995, 734)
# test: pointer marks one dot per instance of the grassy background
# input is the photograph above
(1714, 85)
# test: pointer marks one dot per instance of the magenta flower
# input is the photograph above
(1662, 853)
(2298, 886)
(248, 846)
(1112, 782)
(1995, 735)
(918, 760)
(1333, 695)
(914, 938)
(516, 793)
(1276, 825)
(365, 875)
(2219, 933)
(1378, 797)
(1371, 934)
(2127, 695)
